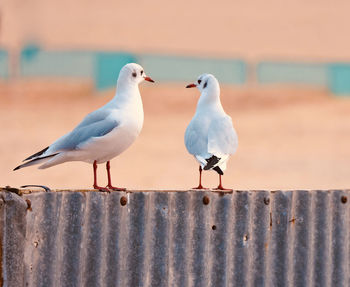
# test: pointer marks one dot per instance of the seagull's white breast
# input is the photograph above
(102, 149)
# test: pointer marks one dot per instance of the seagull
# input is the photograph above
(210, 137)
(104, 133)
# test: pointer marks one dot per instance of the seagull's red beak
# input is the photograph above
(191, 86)
(148, 79)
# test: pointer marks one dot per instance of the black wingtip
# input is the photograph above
(212, 161)
(18, 167)
(218, 170)
(37, 154)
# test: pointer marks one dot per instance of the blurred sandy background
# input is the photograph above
(294, 29)
(289, 137)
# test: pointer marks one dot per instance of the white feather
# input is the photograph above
(210, 131)
(106, 132)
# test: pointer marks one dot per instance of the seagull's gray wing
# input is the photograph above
(82, 134)
(195, 141)
(93, 117)
(222, 137)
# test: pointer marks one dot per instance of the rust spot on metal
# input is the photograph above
(344, 199)
(266, 200)
(123, 200)
(206, 200)
(29, 205)
(270, 220)
(213, 227)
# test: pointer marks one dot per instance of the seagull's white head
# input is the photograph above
(208, 85)
(132, 74)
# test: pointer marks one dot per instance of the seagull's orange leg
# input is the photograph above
(200, 186)
(95, 180)
(220, 187)
(109, 185)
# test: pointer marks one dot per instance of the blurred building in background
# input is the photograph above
(293, 43)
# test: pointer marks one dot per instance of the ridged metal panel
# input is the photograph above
(12, 235)
(243, 238)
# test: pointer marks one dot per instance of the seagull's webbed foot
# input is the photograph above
(220, 187)
(200, 187)
(111, 187)
(102, 189)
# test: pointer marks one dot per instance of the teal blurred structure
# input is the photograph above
(292, 73)
(36, 63)
(333, 76)
(339, 78)
(184, 69)
(103, 68)
(4, 64)
(30, 51)
(107, 67)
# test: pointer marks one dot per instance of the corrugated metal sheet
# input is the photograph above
(12, 236)
(193, 238)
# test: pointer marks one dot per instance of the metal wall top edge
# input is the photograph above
(24, 192)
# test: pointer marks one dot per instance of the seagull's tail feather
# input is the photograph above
(60, 158)
(36, 161)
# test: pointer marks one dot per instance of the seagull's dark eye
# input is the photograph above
(205, 85)
(141, 73)
(134, 74)
(199, 81)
